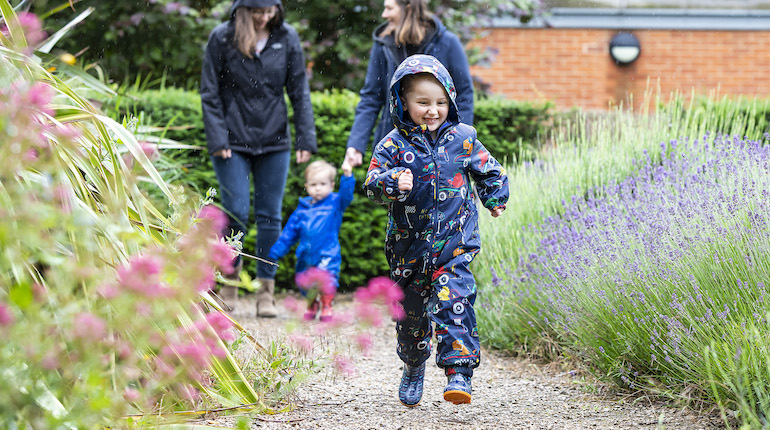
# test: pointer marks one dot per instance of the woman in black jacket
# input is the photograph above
(249, 60)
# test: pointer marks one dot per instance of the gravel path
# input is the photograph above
(508, 393)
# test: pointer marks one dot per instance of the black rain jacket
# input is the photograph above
(243, 102)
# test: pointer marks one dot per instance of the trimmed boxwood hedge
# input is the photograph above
(505, 127)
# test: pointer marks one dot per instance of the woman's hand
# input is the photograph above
(303, 156)
(405, 180)
(496, 212)
(224, 153)
(353, 157)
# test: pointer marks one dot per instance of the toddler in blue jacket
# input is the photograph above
(315, 224)
(423, 170)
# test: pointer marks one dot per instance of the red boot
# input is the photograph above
(326, 307)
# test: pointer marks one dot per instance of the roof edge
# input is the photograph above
(645, 19)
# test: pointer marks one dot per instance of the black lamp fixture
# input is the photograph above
(624, 48)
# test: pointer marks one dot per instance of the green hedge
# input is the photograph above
(505, 127)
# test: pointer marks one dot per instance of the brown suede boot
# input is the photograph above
(265, 299)
(229, 293)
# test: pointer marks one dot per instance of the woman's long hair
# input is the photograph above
(417, 20)
(246, 35)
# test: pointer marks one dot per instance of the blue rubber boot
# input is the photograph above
(410, 390)
(458, 389)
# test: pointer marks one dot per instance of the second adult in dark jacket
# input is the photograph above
(384, 58)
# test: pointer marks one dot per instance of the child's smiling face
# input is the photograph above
(426, 102)
(319, 185)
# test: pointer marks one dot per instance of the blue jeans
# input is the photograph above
(268, 173)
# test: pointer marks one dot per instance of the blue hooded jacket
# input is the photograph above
(383, 60)
(437, 220)
(316, 226)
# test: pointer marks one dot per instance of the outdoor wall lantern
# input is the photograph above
(624, 48)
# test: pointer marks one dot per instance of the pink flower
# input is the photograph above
(222, 326)
(124, 350)
(150, 150)
(6, 316)
(223, 256)
(109, 292)
(131, 394)
(88, 326)
(364, 342)
(316, 278)
(369, 314)
(142, 276)
(302, 342)
(293, 305)
(164, 369)
(50, 360)
(385, 289)
(344, 365)
(218, 218)
(397, 311)
(189, 393)
(207, 282)
(33, 28)
(40, 95)
(343, 320)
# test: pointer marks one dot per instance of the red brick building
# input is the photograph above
(565, 57)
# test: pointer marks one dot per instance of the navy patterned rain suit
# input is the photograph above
(433, 232)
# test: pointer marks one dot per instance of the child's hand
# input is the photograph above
(496, 212)
(347, 168)
(405, 180)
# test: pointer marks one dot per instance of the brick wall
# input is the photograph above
(572, 67)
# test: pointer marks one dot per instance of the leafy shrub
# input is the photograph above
(131, 39)
(507, 128)
(96, 286)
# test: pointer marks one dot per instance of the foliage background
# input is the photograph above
(507, 128)
(165, 39)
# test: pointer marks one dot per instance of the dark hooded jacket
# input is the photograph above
(243, 99)
(437, 220)
(385, 56)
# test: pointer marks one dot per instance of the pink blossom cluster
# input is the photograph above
(142, 276)
(315, 278)
(31, 27)
(148, 148)
(203, 250)
(192, 348)
(380, 290)
(367, 312)
(6, 316)
(89, 327)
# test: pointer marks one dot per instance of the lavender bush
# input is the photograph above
(657, 280)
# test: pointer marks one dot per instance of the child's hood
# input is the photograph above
(413, 65)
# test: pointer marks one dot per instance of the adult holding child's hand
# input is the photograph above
(410, 28)
(249, 61)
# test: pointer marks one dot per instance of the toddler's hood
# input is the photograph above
(420, 63)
